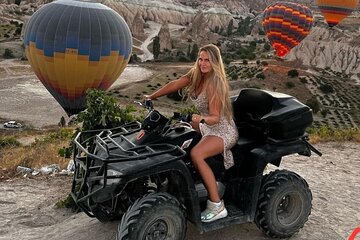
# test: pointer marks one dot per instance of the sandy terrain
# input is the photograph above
(27, 205)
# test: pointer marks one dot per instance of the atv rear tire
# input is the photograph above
(284, 204)
(156, 216)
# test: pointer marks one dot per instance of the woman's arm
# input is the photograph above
(172, 86)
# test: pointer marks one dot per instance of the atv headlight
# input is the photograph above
(111, 172)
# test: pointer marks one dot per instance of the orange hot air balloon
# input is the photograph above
(286, 24)
(75, 45)
(334, 11)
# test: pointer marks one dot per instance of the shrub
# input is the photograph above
(326, 88)
(289, 84)
(103, 111)
(314, 104)
(8, 53)
(9, 142)
(260, 76)
(293, 73)
(324, 112)
(303, 80)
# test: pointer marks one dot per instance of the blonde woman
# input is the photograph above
(208, 88)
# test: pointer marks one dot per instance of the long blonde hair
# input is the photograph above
(217, 79)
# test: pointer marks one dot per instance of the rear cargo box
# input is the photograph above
(277, 115)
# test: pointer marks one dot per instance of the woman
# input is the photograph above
(208, 88)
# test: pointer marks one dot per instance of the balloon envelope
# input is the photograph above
(76, 45)
(336, 10)
(286, 25)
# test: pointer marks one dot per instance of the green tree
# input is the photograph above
(267, 46)
(188, 51)
(293, 73)
(289, 84)
(326, 88)
(324, 112)
(8, 53)
(194, 52)
(103, 111)
(314, 104)
(230, 27)
(156, 47)
(260, 76)
(245, 26)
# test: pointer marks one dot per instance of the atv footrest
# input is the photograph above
(235, 216)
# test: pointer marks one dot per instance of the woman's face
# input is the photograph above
(204, 62)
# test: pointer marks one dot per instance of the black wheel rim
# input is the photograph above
(289, 208)
(158, 230)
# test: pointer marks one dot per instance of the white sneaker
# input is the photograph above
(213, 212)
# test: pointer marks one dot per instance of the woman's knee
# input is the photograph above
(196, 155)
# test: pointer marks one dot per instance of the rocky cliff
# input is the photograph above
(330, 48)
(173, 12)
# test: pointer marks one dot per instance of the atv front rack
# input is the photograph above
(97, 152)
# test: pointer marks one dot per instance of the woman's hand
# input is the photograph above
(145, 97)
(196, 118)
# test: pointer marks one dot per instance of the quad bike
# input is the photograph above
(142, 173)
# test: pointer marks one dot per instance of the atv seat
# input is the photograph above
(251, 105)
(244, 144)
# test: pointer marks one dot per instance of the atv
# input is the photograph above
(142, 174)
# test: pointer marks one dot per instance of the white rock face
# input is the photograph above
(173, 12)
(320, 50)
(164, 35)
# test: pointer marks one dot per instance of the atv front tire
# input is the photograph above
(156, 216)
(284, 204)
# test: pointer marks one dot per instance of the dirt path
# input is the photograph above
(27, 205)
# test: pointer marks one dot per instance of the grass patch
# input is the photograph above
(68, 202)
(44, 151)
(326, 134)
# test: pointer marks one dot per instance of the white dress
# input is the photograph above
(224, 129)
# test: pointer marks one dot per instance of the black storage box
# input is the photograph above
(271, 114)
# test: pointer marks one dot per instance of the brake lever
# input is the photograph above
(139, 103)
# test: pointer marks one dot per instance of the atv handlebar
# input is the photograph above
(147, 103)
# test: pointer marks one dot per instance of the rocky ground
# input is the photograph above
(27, 206)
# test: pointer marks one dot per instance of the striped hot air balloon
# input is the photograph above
(75, 45)
(334, 11)
(286, 25)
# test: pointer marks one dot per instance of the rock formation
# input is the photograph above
(173, 12)
(137, 28)
(198, 28)
(320, 50)
(164, 36)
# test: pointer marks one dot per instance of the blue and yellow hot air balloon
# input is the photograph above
(286, 24)
(75, 45)
(334, 11)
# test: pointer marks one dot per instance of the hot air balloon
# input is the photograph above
(286, 25)
(334, 11)
(75, 45)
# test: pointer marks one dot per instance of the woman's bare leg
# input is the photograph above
(207, 147)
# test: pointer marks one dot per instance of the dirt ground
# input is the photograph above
(27, 209)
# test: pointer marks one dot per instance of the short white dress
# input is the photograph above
(224, 129)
